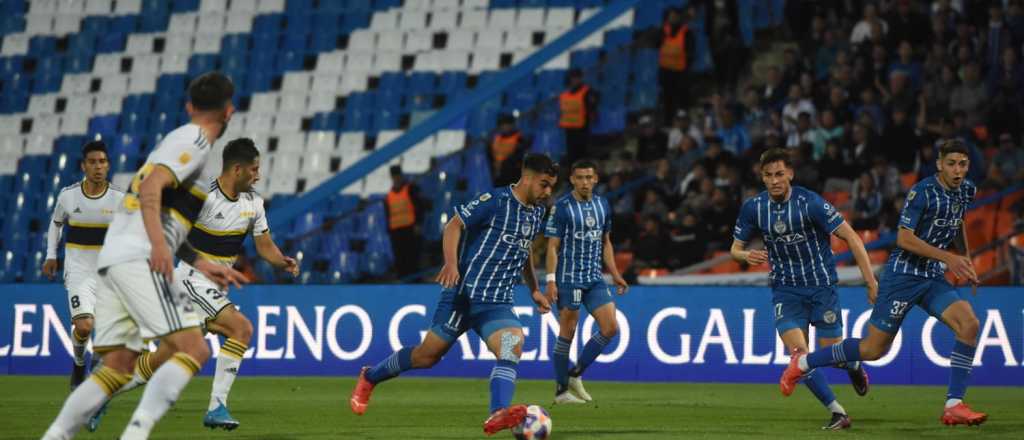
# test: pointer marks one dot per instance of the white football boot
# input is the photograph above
(576, 387)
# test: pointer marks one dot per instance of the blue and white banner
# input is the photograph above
(694, 334)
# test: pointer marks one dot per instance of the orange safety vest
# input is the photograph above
(574, 110)
(504, 146)
(401, 213)
(672, 55)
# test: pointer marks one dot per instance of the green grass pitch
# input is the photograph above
(425, 408)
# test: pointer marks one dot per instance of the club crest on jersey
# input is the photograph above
(485, 197)
(527, 229)
(911, 195)
(591, 222)
(779, 227)
(184, 158)
(829, 317)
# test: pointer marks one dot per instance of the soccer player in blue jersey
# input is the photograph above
(932, 217)
(487, 247)
(579, 240)
(796, 225)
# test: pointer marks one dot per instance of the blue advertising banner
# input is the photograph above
(694, 334)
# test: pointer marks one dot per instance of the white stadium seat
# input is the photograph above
(444, 20)
(362, 41)
(321, 141)
(530, 18)
(419, 41)
(502, 19)
(292, 143)
(474, 19)
(559, 18)
(331, 62)
(65, 24)
(139, 44)
(270, 6)
(321, 101)
(103, 7)
(384, 20)
(412, 19)
(485, 60)
(286, 123)
(184, 23)
(125, 7)
(392, 41)
(15, 44)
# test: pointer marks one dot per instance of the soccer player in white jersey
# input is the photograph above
(84, 209)
(931, 219)
(231, 211)
(579, 241)
(135, 303)
(796, 225)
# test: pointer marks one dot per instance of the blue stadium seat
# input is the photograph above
(324, 41)
(585, 58)
(451, 82)
(392, 82)
(478, 172)
(375, 263)
(168, 103)
(124, 163)
(521, 99)
(334, 243)
(235, 61)
(162, 122)
(342, 204)
(11, 266)
(78, 63)
(154, 22)
(235, 44)
(610, 120)
(202, 63)
(344, 267)
(82, 43)
(14, 102)
(50, 64)
(503, 4)
(103, 125)
(174, 84)
(330, 121)
(124, 24)
(550, 141)
(184, 5)
(42, 46)
(386, 118)
(388, 98)
(12, 24)
(267, 43)
(298, 23)
(137, 103)
(293, 41)
(307, 223)
(356, 120)
(422, 82)
(643, 98)
(288, 60)
(299, 6)
(126, 144)
(355, 20)
(267, 24)
(10, 65)
(47, 83)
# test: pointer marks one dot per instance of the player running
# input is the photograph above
(85, 209)
(231, 211)
(135, 303)
(579, 240)
(478, 286)
(932, 216)
(796, 225)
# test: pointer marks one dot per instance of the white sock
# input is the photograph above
(835, 407)
(953, 402)
(228, 361)
(162, 391)
(802, 363)
(84, 402)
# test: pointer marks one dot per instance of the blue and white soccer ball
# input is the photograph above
(536, 425)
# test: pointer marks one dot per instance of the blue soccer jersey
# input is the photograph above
(581, 227)
(495, 245)
(936, 215)
(796, 234)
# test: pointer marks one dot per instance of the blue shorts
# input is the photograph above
(796, 307)
(898, 293)
(593, 294)
(457, 314)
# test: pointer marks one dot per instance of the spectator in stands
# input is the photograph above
(674, 60)
(578, 108)
(649, 250)
(690, 183)
(802, 134)
(689, 240)
(797, 103)
(942, 32)
(937, 94)
(686, 155)
(734, 136)
(870, 107)
(698, 200)
(907, 24)
(862, 30)
(651, 143)
(754, 116)
(792, 66)
(508, 145)
(900, 140)
(970, 96)
(1010, 158)
(1015, 21)
(925, 166)
(720, 218)
(773, 92)
(1008, 74)
(402, 227)
(1005, 110)
(812, 40)
(899, 93)
(805, 171)
(728, 53)
(715, 154)
(834, 168)
(905, 63)
(665, 182)
(863, 146)
(891, 214)
(965, 42)
(826, 55)
(826, 132)
(997, 37)
(839, 105)
(654, 205)
(682, 126)
(887, 177)
(867, 204)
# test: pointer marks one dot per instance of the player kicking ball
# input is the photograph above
(84, 209)
(796, 225)
(931, 219)
(579, 240)
(496, 231)
(231, 211)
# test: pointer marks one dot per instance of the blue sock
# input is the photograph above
(960, 363)
(818, 384)
(591, 351)
(847, 351)
(391, 367)
(560, 356)
(503, 384)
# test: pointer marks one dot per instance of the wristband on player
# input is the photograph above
(187, 254)
(550, 278)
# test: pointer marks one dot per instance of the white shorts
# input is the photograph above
(135, 305)
(81, 295)
(208, 299)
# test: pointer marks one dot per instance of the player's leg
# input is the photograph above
(237, 331)
(569, 301)
(795, 340)
(503, 332)
(168, 315)
(827, 318)
(117, 337)
(450, 322)
(599, 302)
(81, 302)
(945, 303)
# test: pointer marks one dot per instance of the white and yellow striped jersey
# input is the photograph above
(183, 152)
(224, 222)
(85, 220)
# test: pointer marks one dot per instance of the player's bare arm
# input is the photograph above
(608, 255)
(449, 275)
(268, 250)
(860, 255)
(530, 277)
(150, 193)
(551, 265)
(966, 249)
(752, 257)
(958, 264)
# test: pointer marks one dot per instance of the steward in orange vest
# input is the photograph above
(401, 213)
(506, 151)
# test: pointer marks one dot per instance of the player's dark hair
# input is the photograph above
(540, 163)
(776, 155)
(210, 91)
(94, 146)
(241, 151)
(583, 164)
(953, 146)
